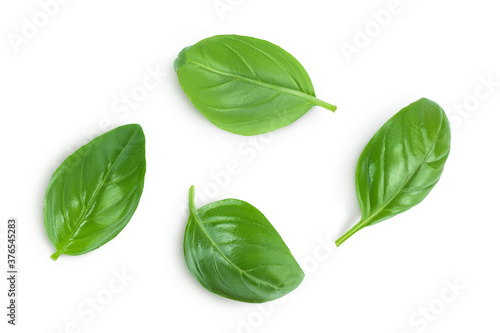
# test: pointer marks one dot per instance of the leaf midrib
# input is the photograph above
(282, 89)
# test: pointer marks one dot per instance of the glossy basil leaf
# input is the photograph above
(245, 85)
(95, 191)
(233, 251)
(401, 163)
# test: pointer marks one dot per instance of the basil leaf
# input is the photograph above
(401, 163)
(93, 194)
(233, 251)
(245, 85)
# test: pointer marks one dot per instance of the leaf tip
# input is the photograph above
(181, 59)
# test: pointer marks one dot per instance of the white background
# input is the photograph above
(62, 86)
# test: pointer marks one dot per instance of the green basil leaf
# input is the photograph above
(233, 251)
(245, 85)
(93, 194)
(401, 163)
